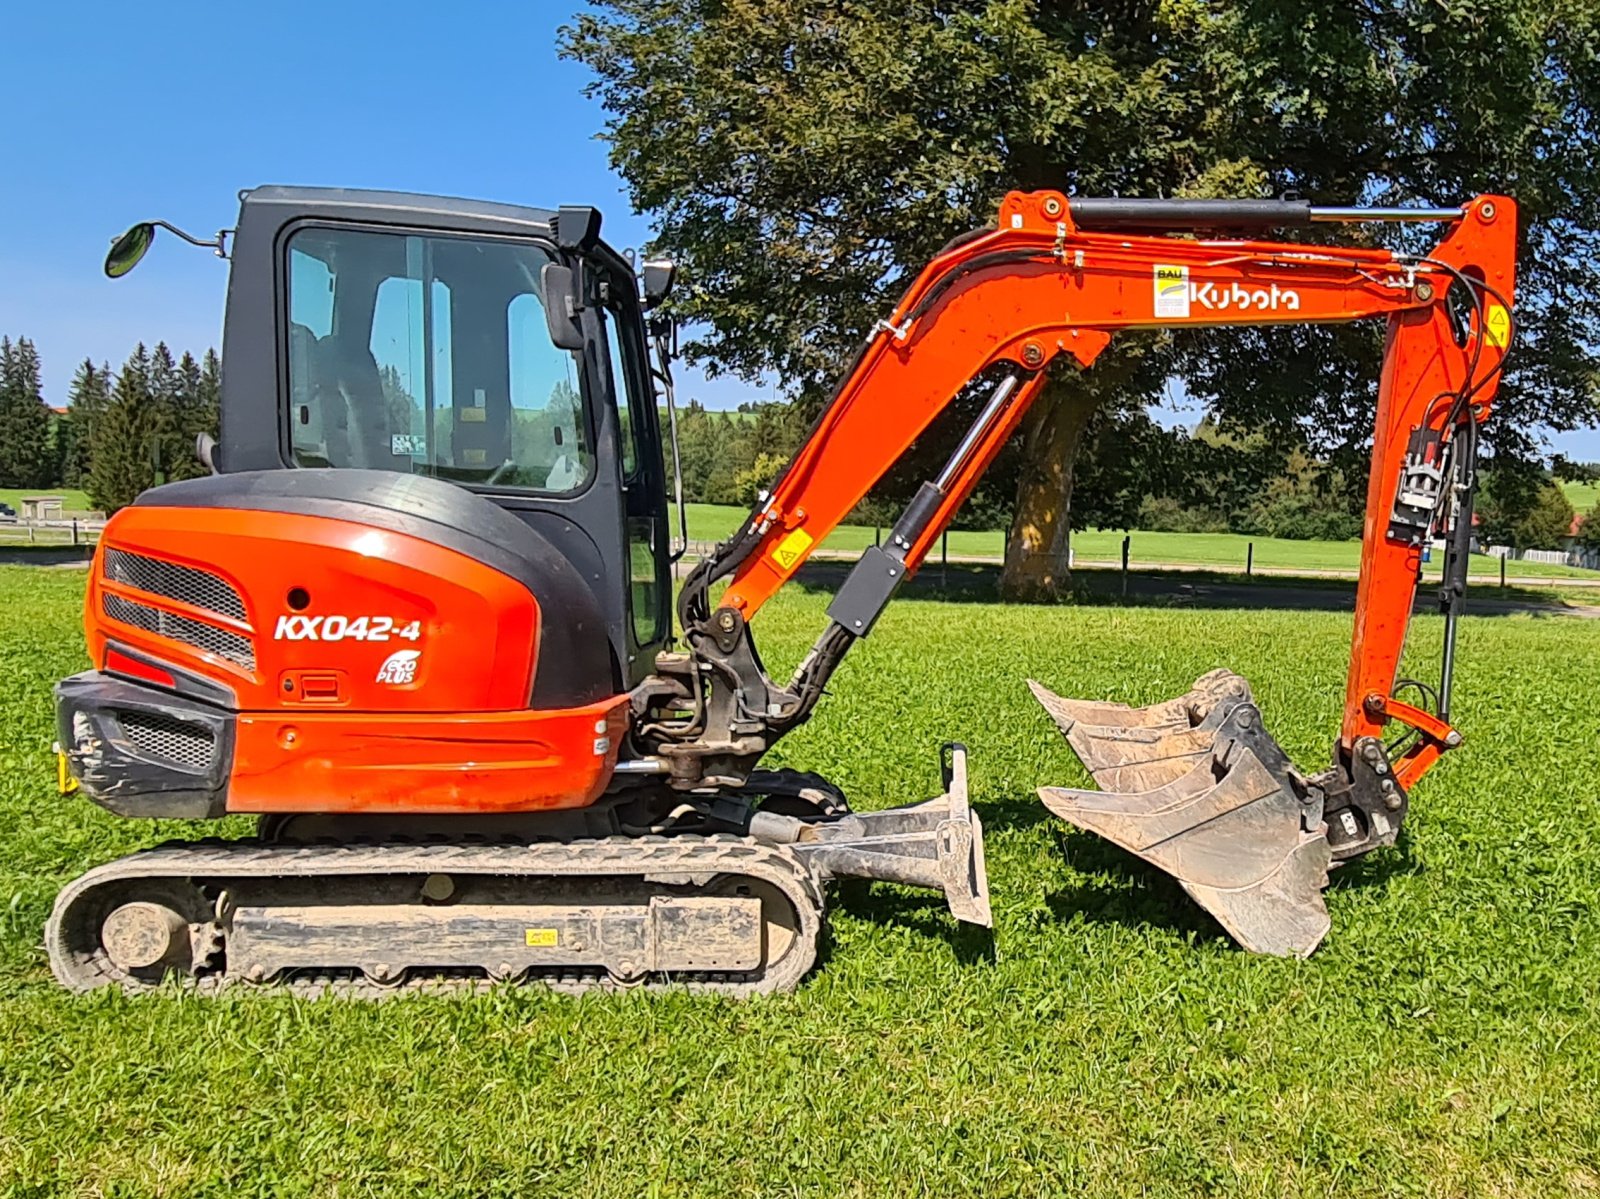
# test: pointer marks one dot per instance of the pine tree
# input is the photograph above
(91, 390)
(190, 420)
(124, 440)
(25, 454)
(171, 450)
(211, 394)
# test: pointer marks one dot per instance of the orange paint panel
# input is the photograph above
(320, 761)
(404, 624)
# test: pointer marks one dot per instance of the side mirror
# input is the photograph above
(659, 275)
(559, 290)
(127, 250)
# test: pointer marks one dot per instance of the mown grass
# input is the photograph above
(1582, 496)
(72, 499)
(1445, 1041)
(1228, 551)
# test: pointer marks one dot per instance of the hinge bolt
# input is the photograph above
(1032, 354)
(1052, 207)
(1486, 210)
(1424, 290)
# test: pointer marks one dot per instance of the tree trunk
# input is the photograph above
(1036, 566)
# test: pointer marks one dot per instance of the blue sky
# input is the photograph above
(116, 113)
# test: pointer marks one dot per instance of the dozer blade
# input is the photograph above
(1196, 787)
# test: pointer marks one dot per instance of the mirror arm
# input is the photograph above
(218, 243)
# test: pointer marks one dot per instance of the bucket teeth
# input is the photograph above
(1140, 749)
(1185, 789)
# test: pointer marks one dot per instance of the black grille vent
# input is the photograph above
(188, 745)
(180, 628)
(185, 584)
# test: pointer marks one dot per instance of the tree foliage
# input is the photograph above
(803, 158)
(26, 454)
(91, 391)
(1526, 513)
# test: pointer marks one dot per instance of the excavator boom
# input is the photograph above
(1193, 785)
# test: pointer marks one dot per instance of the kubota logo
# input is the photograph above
(1177, 295)
(1260, 299)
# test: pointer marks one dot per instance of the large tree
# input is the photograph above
(802, 158)
(26, 457)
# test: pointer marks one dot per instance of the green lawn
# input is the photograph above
(72, 500)
(1582, 496)
(1444, 1041)
(712, 522)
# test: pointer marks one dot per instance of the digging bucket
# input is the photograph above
(1197, 787)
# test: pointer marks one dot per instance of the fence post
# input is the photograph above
(1249, 558)
(1502, 572)
(944, 558)
(74, 530)
(1127, 539)
(877, 534)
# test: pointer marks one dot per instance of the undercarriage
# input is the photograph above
(324, 906)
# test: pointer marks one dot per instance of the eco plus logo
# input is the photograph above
(399, 667)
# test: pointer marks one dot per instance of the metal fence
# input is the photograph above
(1587, 559)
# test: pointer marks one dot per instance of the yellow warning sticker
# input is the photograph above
(791, 549)
(542, 938)
(1498, 322)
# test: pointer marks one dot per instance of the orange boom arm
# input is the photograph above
(1040, 287)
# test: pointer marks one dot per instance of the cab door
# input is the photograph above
(643, 472)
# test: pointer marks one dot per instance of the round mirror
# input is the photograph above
(126, 251)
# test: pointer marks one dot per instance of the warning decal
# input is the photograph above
(1498, 323)
(1172, 291)
(542, 938)
(788, 552)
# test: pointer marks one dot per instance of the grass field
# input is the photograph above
(1582, 496)
(72, 501)
(1445, 1041)
(712, 522)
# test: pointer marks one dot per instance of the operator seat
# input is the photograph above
(350, 372)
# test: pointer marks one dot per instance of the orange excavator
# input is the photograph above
(417, 619)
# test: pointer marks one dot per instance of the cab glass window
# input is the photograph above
(430, 355)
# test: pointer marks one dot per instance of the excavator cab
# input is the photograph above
(371, 331)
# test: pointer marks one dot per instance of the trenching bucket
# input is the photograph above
(1197, 787)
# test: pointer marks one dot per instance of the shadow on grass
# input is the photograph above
(1126, 890)
(923, 913)
(979, 583)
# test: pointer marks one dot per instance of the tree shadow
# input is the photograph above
(979, 583)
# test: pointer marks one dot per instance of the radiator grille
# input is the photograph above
(180, 628)
(185, 584)
(160, 736)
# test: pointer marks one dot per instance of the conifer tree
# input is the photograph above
(211, 394)
(91, 390)
(25, 454)
(124, 445)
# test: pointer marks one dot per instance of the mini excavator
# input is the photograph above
(418, 618)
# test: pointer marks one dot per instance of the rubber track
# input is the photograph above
(210, 863)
